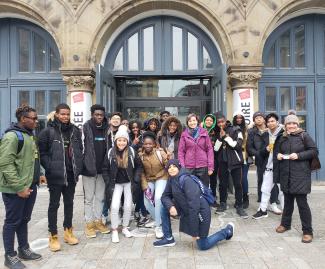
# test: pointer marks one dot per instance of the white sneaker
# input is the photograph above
(127, 233)
(150, 224)
(274, 208)
(159, 233)
(115, 238)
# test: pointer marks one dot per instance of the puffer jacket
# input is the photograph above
(193, 209)
(255, 144)
(196, 153)
(51, 147)
(294, 175)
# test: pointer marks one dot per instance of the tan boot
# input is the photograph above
(54, 243)
(99, 226)
(90, 230)
(69, 237)
(307, 238)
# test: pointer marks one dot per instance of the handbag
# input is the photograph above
(314, 162)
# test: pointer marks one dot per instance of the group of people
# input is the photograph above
(162, 168)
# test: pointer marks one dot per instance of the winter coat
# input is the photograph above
(51, 147)
(164, 133)
(256, 144)
(110, 169)
(230, 146)
(193, 209)
(196, 153)
(147, 123)
(16, 170)
(294, 175)
(89, 156)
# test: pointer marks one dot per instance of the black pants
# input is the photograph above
(201, 173)
(55, 195)
(214, 179)
(18, 214)
(236, 175)
(304, 212)
(275, 189)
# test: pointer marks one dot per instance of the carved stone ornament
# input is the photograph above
(80, 83)
(244, 79)
(75, 3)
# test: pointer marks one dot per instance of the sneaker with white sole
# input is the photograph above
(260, 214)
(126, 232)
(150, 224)
(164, 243)
(159, 233)
(230, 230)
(274, 208)
(115, 238)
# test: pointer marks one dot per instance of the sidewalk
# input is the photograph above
(254, 245)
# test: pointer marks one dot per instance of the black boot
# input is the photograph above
(27, 254)
(12, 262)
(245, 201)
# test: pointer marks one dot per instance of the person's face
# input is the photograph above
(164, 116)
(121, 143)
(115, 121)
(291, 127)
(172, 127)
(239, 119)
(173, 170)
(192, 122)
(98, 116)
(153, 126)
(148, 145)
(208, 122)
(259, 121)
(135, 128)
(272, 124)
(63, 115)
(221, 123)
(126, 123)
(30, 121)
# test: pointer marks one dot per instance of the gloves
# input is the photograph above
(150, 196)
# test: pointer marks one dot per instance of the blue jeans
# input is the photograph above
(245, 169)
(206, 243)
(165, 223)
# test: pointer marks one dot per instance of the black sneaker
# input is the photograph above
(241, 212)
(245, 201)
(260, 214)
(27, 254)
(143, 221)
(164, 243)
(215, 204)
(12, 262)
(137, 216)
(221, 208)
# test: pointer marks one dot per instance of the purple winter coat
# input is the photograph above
(196, 154)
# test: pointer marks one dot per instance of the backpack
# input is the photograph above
(132, 155)
(20, 140)
(206, 192)
(314, 162)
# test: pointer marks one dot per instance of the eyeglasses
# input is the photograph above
(32, 118)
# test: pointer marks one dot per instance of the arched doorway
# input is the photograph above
(162, 63)
(29, 70)
(294, 75)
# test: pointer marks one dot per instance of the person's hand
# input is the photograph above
(42, 180)
(222, 132)
(279, 156)
(293, 156)
(169, 155)
(173, 211)
(268, 148)
(136, 141)
(25, 193)
(210, 172)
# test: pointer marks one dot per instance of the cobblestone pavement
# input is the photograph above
(254, 245)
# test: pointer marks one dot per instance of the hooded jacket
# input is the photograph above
(211, 131)
(51, 146)
(256, 144)
(147, 123)
(193, 209)
(196, 153)
(294, 176)
(243, 128)
(16, 170)
(164, 135)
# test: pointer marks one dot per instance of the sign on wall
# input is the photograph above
(80, 107)
(243, 101)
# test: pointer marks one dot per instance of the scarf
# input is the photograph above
(194, 132)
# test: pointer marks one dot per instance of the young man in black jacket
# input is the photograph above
(230, 158)
(95, 147)
(60, 148)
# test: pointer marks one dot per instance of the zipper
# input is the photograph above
(65, 169)
(74, 166)
(237, 155)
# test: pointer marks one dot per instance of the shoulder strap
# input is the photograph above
(132, 156)
(109, 155)
(158, 154)
(20, 140)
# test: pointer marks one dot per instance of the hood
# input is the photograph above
(149, 120)
(57, 124)
(164, 127)
(16, 127)
(279, 130)
(214, 122)
(243, 124)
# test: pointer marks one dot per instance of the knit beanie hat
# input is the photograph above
(173, 162)
(122, 133)
(258, 113)
(290, 119)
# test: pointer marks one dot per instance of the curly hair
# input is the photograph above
(23, 111)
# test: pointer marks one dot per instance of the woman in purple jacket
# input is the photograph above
(195, 150)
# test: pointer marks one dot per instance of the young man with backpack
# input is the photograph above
(61, 156)
(187, 197)
(19, 176)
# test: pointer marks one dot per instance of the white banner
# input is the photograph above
(243, 101)
(80, 107)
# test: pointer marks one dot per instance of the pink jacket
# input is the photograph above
(196, 154)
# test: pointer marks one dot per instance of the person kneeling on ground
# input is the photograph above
(186, 201)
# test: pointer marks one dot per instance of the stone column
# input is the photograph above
(81, 84)
(243, 81)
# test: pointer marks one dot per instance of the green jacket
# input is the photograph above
(16, 170)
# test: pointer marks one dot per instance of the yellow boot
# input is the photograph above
(54, 243)
(69, 237)
(90, 230)
(99, 226)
